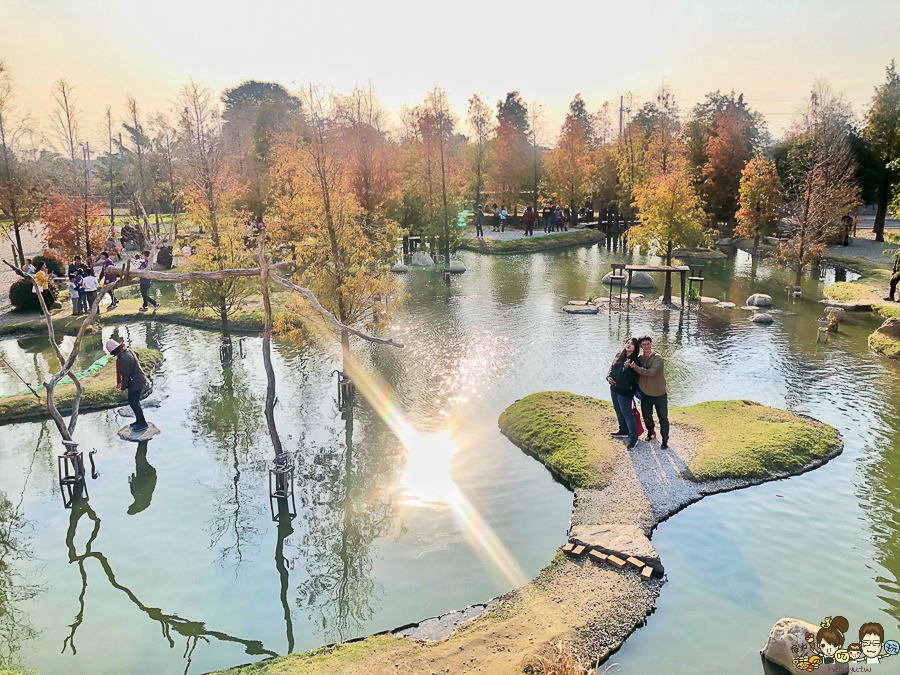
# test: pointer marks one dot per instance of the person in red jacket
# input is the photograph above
(529, 217)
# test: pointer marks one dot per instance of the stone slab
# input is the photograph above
(581, 309)
(617, 539)
(578, 550)
(127, 434)
(597, 556)
(635, 563)
(647, 573)
(568, 547)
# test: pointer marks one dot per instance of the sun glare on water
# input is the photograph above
(426, 481)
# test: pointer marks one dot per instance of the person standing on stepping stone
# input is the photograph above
(146, 283)
(652, 385)
(130, 378)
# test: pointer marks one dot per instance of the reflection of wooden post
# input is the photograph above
(267, 346)
(630, 273)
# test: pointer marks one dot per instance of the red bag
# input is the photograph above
(637, 418)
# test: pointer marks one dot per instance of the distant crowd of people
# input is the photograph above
(638, 371)
(556, 219)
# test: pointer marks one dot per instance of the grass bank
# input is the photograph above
(884, 344)
(736, 439)
(564, 431)
(99, 392)
(248, 320)
(533, 244)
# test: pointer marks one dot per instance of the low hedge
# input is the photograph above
(23, 297)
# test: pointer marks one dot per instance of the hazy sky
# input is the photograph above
(772, 50)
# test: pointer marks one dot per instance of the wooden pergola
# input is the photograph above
(668, 269)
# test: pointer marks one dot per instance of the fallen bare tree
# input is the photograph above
(126, 275)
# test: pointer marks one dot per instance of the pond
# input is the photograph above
(176, 564)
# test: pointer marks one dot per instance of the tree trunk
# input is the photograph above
(881, 213)
(756, 244)
(223, 313)
(20, 250)
(799, 276)
(345, 351)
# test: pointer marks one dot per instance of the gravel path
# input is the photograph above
(510, 235)
(863, 248)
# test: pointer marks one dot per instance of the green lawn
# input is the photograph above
(532, 244)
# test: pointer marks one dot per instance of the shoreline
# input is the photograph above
(591, 606)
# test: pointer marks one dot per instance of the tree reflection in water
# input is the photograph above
(192, 631)
(345, 494)
(229, 415)
(15, 587)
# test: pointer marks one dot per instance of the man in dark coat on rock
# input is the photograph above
(130, 378)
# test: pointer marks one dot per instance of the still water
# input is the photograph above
(175, 563)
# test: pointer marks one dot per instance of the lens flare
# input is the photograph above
(427, 480)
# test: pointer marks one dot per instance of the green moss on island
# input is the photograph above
(736, 439)
(743, 439)
(884, 344)
(99, 392)
(567, 432)
(868, 289)
(533, 244)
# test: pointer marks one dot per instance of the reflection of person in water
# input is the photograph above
(142, 482)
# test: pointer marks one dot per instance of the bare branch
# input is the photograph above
(309, 295)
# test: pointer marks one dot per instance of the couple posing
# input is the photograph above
(638, 371)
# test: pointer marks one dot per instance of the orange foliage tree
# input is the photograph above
(728, 151)
(68, 231)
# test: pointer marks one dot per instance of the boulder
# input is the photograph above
(399, 267)
(638, 279)
(890, 328)
(763, 318)
(838, 313)
(617, 539)
(581, 309)
(790, 634)
(760, 300)
(456, 267)
(421, 259)
(726, 305)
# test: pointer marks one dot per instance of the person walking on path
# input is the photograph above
(43, 283)
(107, 277)
(75, 265)
(29, 268)
(558, 219)
(504, 214)
(73, 295)
(479, 222)
(623, 381)
(79, 288)
(130, 378)
(495, 221)
(146, 283)
(91, 285)
(529, 217)
(652, 385)
(547, 213)
(895, 278)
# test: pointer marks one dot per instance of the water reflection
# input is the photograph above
(142, 482)
(169, 623)
(229, 413)
(346, 492)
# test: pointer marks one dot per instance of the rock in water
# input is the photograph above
(760, 300)
(838, 313)
(789, 634)
(763, 318)
(638, 279)
(421, 259)
(457, 267)
(726, 241)
(618, 539)
(399, 267)
(128, 434)
(890, 328)
(726, 305)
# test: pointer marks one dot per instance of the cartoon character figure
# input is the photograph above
(871, 638)
(829, 639)
(854, 651)
(808, 663)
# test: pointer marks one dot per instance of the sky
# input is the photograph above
(771, 50)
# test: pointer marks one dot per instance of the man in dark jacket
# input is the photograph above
(130, 378)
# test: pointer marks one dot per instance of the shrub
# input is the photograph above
(21, 296)
(55, 265)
